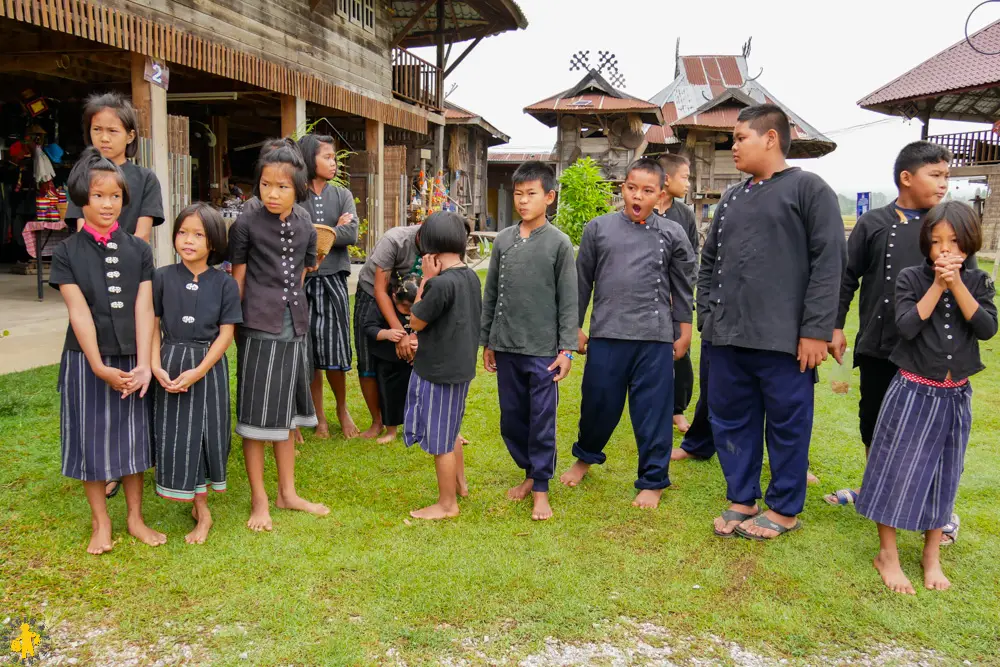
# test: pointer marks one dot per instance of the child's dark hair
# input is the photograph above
(535, 171)
(671, 162)
(126, 113)
(285, 152)
(406, 290)
(442, 232)
(917, 154)
(215, 229)
(309, 145)
(762, 118)
(650, 166)
(961, 217)
(91, 163)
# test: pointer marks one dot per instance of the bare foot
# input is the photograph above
(260, 515)
(374, 431)
(100, 540)
(200, 532)
(138, 529)
(648, 499)
(461, 440)
(678, 454)
(322, 431)
(811, 478)
(542, 511)
(521, 491)
(934, 579)
(463, 487)
(298, 436)
(681, 423)
(895, 580)
(575, 474)
(725, 528)
(298, 504)
(347, 426)
(435, 512)
(390, 434)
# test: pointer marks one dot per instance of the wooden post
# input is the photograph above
(925, 118)
(217, 179)
(293, 114)
(375, 146)
(151, 101)
(439, 136)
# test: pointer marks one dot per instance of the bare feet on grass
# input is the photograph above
(681, 424)
(887, 564)
(322, 431)
(390, 435)
(347, 426)
(100, 539)
(462, 487)
(811, 478)
(934, 579)
(138, 529)
(678, 454)
(648, 499)
(542, 511)
(521, 491)
(260, 515)
(374, 431)
(294, 502)
(200, 532)
(435, 512)
(575, 474)
(299, 439)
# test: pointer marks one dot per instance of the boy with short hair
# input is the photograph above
(529, 330)
(637, 266)
(767, 291)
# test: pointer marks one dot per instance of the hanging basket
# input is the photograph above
(325, 237)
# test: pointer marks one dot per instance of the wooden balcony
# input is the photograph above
(971, 151)
(416, 81)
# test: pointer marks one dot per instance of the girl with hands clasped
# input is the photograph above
(197, 309)
(104, 275)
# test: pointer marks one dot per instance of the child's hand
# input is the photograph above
(413, 342)
(319, 260)
(563, 364)
(116, 378)
(583, 340)
(186, 379)
(490, 360)
(431, 265)
(345, 219)
(681, 346)
(404, 350)
(141, 377)
(812, 353)
(396, 335)
(838, 346)
(163, 378)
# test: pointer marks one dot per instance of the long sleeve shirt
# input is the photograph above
(944, 342)
(325, 209)
(771, 267)
(682, 214)
(530, 301)
(639, 275)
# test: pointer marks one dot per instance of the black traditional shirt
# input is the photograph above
(376, 322)
(145, 199)
(191, 310)
(452, 305)
(325, 209)
(109, 277)
(682, 214)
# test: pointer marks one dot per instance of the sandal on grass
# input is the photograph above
(842, 497)
(950, 531)
(762, 521)
(733, 515)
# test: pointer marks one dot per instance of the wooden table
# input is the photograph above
(41, 238)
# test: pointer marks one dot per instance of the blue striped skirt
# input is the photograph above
(917, 455)
(434, 414)
(102, 435)
(329, 322)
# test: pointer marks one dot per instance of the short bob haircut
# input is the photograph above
(90, 165)
(916, 155)
(671, 162)
(126, 113)
(406, 291)
(309, 145)
(650, 166)
(762, 118)
(215, 229)
(535, 171)
(961, 217)
(443, 232)
(285, 152)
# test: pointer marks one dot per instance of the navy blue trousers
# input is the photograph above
(528, 402)
(698, 441)
(751, 388)
(643, 371)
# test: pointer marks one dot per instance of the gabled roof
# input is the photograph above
(456, 115)
(951, 84)
(463, 20)
(593, 95)
(709, 91)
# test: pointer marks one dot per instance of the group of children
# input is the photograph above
(774, 284)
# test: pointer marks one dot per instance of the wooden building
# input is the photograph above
(468, 140)
(699, 109)
(239, 71)
(961, 84)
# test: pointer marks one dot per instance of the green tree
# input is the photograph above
(583, 196)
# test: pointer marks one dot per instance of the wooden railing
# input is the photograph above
(970, 149)
(415, 80)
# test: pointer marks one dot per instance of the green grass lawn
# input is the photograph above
(366, 583)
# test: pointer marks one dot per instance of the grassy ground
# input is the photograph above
(365, 583)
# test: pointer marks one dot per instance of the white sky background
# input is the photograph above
(818, 58)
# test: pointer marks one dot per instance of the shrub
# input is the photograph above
(583, 196)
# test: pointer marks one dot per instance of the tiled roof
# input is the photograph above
(517, 157)
(456, 115)
(592, 95)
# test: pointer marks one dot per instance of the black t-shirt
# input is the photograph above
(109, 277)
(145, 199)
(451, 306)
(376, 322)
(191, 310)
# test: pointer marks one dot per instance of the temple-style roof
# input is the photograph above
(593, 96)
(463, 19)
(456, 115)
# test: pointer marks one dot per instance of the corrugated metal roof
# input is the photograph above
(464, 19)
(517, 157)
(459, 116)
(957, 67)
(591, 96)
(663, 134)
(590, 102)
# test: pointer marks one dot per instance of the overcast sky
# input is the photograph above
(819, 61)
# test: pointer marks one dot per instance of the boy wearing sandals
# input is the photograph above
(768, 283)
(883, 243)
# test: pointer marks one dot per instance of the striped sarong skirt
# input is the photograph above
(272, 384)
(102, 436)
(363, 305)
(329, 322)
(434, 414)
(917, 455)
(191, 430)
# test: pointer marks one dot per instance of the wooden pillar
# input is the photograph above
(218, 181)
(375, 147)
(151, 101)
(925, 118)
(293, 115)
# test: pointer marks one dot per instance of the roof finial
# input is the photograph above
(746, 47)
(677, 59)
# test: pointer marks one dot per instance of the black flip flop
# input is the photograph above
(733, 515)
(114, 492)
(762, 521)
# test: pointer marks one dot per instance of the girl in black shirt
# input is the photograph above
(943, 310)
(197, 310)
(105, 277)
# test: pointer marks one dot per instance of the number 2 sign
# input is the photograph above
(157, 73)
